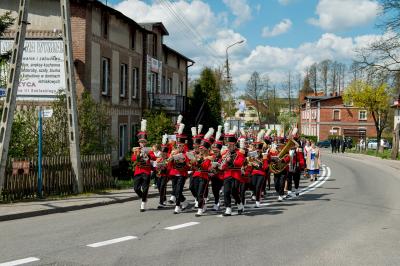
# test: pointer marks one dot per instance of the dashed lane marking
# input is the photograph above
(112, 241)
(19, 262)
(179, 226)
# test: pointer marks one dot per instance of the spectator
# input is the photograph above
(333, 144)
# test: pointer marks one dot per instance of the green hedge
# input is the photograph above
(311, 138)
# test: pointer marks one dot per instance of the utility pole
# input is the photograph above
(70, 92)
(12, 88)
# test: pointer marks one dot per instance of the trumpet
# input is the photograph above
(225, 159)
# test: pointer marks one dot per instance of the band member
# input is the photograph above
(172, 199)
(232, 161)
(162, 172)
(259, 166)
(216, 176)
(179, 166)
(295, 167)
(142, 157)
(279, 178)
(197, 138)
(200, 175)
(268, 142)
(245, 181)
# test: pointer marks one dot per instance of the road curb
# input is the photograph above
(22, 215)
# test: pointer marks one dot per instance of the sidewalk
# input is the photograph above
(21, 210)
(386, 162)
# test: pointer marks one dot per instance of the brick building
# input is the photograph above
(323, 116)
(121, 63)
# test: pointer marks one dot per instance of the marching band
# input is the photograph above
(231, 162)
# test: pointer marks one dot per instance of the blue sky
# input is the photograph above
(280, 35)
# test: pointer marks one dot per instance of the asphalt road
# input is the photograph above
(350, 217)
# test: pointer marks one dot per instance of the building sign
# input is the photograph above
(154, 69)
(42, 72)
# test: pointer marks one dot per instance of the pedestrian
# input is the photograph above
(337, 144)
(313, 161)
(343, 144)
(142, 157)
(333, 144)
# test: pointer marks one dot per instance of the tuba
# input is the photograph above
(279, 166)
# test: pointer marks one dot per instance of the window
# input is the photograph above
(123, 79)
(105, 72)
(154, 83)
(104, 26)
(362, 115)
(336, 115)
(181, 88)
(133, 39)
(169, 86)
(335, 131)
(163, 85)
(179, 63)
(123, 141)
(134, 139)
(135, 82)
(154, 45)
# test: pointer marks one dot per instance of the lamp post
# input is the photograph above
(228, 77)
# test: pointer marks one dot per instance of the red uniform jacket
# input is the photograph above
(297, 160)
(203, 169)
(179, 169)
(233, 168)
(143, 166)
(261, 169)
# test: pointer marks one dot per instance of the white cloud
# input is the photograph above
(334, 15)
(240, 9)
(205, 43)
(278, 29)
(277, 61)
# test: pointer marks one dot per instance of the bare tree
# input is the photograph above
(323, 68)
(313, 76)
(255, 92)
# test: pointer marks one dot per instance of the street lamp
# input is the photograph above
(227, 58)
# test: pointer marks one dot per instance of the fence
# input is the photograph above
(21, 180)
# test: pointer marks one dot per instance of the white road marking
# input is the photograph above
(320, 183)
(179, 226)
(112, 241)
(19, 262)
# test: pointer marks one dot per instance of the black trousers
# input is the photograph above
(178, 191)
(162, 188)
(192, 186)
(279, 181)
(295, 176)
(216, 185)
(243, 188)
(201, 186)
(174, 181)
(257, 183)
(231, 188)
(141, 185)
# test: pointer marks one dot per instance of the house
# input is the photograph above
(396, 106)
(121, 63)
(323, 116)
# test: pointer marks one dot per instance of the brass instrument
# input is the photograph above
(278, 166)
(227, 155)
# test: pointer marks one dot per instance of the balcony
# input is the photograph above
(168, 102)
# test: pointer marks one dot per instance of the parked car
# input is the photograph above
(324, 143)
(373, 144)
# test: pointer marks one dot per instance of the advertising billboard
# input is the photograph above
(42, 72)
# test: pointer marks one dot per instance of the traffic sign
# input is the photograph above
(47, 113)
